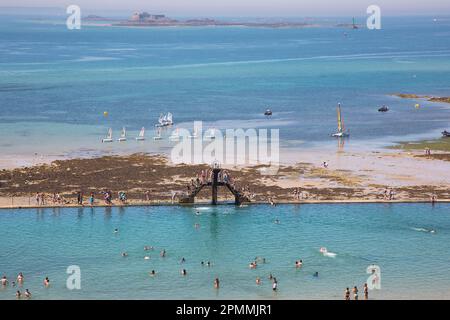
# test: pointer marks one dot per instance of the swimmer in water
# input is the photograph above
(124, 254)
(202, 263)
(116, 230)
(152, 273)
(183, 272)
(163, 253)
(20, 278)
(275, 284)
(4, 281)
(196, 226)
(27, 293)
(46, 282)
(208, 264)
(270, 276)
(183, 260)
(146, 248)
(298, 264)
(258, 280)
(216, 283)
(316, 274)
(276, 221)
(18, 294)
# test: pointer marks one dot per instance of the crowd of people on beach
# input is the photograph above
(20, 279)
(355, 292)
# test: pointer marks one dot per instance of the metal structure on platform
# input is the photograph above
(215, 183)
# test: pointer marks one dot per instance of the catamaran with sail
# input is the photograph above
(123, 135)
(341, 133)
(165, 120)
(141, 135)
(108, 136)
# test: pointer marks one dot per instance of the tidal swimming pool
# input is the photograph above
(409, 242)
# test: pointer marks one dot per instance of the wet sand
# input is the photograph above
(352, 176)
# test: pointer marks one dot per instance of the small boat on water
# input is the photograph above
(210, 134)
(141, 135)
(123, 135)
(194, 134)
(341, 133)
(158, 134)
(165, 120)
(108, 136)
(446, 134)
(383, 109)
(175, 136)
(268, 112)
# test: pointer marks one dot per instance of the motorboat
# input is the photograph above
(383, 109)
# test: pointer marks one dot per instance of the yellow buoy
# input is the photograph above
(105, 113)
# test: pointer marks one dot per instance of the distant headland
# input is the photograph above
(145, 19)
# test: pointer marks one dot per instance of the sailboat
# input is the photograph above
(175, 136)
(123, 135)
(169, 120)
(141, 135)
(194, 134)
(158, 134)
(210, 134)
(108, 136)
(165, 120)
(354, 26)
(341, 130)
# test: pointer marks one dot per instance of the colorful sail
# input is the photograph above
(339, 119)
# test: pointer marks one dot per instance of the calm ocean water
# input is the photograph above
(55, 84)
(414, 263)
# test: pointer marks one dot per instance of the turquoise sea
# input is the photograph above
(396, 237)
(55, 83)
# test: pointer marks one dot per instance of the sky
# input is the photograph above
(245, 7)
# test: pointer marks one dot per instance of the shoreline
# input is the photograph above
(169, 204)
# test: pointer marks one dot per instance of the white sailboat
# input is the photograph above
(123, 135)
(194, 134)
(165, 120)
(158, 134)
(108, 136)
(175, 136)
(210, 134)
(169, 119)
(341, 133)
(141, 135)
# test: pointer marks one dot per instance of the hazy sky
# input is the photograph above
(246, 7)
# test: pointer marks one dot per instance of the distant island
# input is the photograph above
(145, 19)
